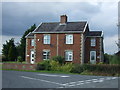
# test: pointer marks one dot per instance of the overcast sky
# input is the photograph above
(18, 17)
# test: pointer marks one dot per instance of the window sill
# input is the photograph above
(69, 44)
(68, 60)
(46, 44)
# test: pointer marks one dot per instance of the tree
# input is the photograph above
(9, 50)
(11, 54)
(5, 50)
(23, 41)
(106, 58)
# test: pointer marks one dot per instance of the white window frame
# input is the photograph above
(93, 61)
(46, 54)
(69, 39)
(93, 41)
(46, 39)
(70, 54)
(32, 42)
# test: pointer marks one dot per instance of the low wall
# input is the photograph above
(19, 66)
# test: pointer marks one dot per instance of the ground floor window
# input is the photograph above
(68, 55)
(46, 54)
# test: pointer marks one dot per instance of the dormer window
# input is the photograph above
(93, 41)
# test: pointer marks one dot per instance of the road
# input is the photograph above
(19, 79)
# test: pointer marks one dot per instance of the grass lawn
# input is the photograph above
(59, 72)
(43, 71)
(14, 62)
(0, 66)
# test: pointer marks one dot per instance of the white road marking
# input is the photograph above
(41, 80)
(102, 78)
(64, 84)
(80, 81)
(49, 75)
(64, 76)
(79, 84)
(114, 77)
(98, 81)
(108, 78)
(60, 87)
(87, 80)
(70, 84)
(94, 79)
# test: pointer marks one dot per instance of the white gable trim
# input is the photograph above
(85, 27)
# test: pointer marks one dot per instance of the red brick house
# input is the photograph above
(72, 40)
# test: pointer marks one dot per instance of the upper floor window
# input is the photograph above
(68, 55)
(32, 42)
(46, 54)
(46, 39)
(69, 39)
(93, 41)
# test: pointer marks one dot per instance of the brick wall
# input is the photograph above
(39, 47)
(76, 47)
(28, 49)
(19, 66)
(89, 48)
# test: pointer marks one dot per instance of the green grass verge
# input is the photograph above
(43, 71)
(59, 72)
(0, 66)
(14, 62)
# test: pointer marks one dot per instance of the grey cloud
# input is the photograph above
(17, 17)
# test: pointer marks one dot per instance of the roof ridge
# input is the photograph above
(95, 31)
(67, 22)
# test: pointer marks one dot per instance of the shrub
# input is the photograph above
(60, 59)
(44, 65)
(3, 58)
(19, 59)
(115, 60)
(100, 63)
(55, 66)
(100, 68)
(66, 67)
(77, 68)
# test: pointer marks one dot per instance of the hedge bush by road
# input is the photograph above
(58, 64)
(101, 69)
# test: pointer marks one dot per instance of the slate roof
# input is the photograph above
(94, 33)
(57, 27)
(30, 35)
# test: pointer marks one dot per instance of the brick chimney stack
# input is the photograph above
(63, 19)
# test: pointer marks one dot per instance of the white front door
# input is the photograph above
(32, 57)
(93, 57)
